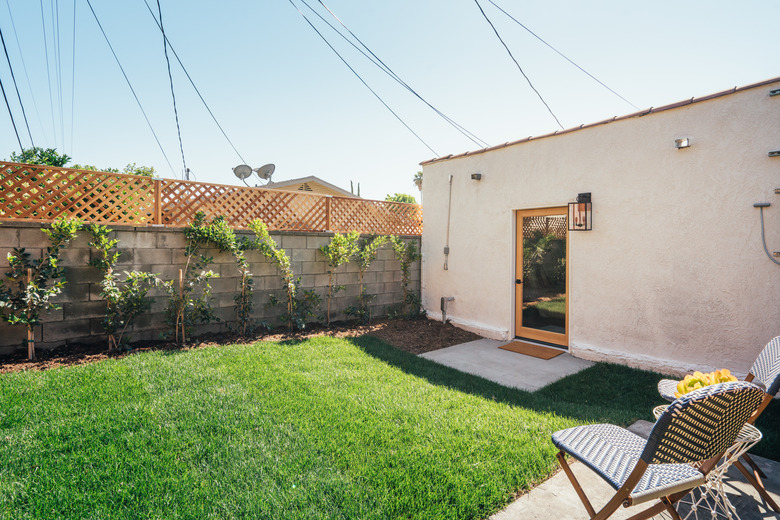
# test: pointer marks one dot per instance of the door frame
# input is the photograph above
(521, 332)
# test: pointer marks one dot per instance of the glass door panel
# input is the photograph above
(540, 283)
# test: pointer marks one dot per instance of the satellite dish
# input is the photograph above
(265, 172)
(242, 171)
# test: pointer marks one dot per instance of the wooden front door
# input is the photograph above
(541, 272)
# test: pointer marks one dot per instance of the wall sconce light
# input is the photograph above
(581, 213)
(476, 176)
(684, 142)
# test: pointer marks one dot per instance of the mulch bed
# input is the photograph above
(415, 336)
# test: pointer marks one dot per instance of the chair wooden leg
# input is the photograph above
(753, 465)
(663, 505)
(657, 509)
(613, 504)
(575, 484)
(670, 508)
(756, 482)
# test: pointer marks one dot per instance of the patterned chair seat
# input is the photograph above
(667, 388)
(612, 452)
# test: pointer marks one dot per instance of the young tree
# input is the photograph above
(125, 299)
(366, 253)
(338, 252)
(26, 292)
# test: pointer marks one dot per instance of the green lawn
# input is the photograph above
(324, 428)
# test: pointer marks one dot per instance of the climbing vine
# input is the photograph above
(189, 296)
(406, 253)
(367, 250)
(301, 305)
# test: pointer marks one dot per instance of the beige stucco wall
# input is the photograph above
(673, 275)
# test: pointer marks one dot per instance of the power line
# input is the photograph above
(13, 77)
(518, 64)
(173, 94)
(73, 79)
(58, 62)
(24, 67)
(131, 87)
(193, 84)
(561, 54)
(13, 122)
(387, 70)
(360, 78)
(48, 75)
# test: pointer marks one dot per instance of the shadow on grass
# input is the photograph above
(602, 393)
(621, 395)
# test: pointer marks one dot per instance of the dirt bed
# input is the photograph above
(415, 336)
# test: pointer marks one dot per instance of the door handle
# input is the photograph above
(518, 281)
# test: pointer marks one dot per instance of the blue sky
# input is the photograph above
(283, 97)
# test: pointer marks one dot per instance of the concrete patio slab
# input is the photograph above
(483, 358)
(556, 498)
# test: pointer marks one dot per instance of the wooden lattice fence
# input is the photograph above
(548, 224)
(44, 193)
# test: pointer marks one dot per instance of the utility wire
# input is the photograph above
(131, 86)
(73, 78)
(58, 63)
(24, 67)
(360, 78)
(193, 84)
(516, 63)
(173, 94)
(561, 54)
(13, 122)
(13, 77)
(387, 70)
(48, 76)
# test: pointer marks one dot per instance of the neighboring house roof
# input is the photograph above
(310, 184)
(641, 113)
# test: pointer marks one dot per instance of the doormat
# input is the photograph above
(532, 350)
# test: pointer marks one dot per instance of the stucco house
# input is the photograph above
(310, 184)
(672, 276)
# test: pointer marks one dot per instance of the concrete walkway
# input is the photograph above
(483, 358)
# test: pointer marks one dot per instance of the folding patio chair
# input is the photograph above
(696, 428)
(766, 371)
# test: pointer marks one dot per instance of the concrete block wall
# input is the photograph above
(161, 251)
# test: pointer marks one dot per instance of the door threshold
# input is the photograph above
(541, 343)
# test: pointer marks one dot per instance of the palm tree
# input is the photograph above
(418, 182)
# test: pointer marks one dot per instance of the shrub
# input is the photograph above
(29, 293)
(337, 253)
(125, 299)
